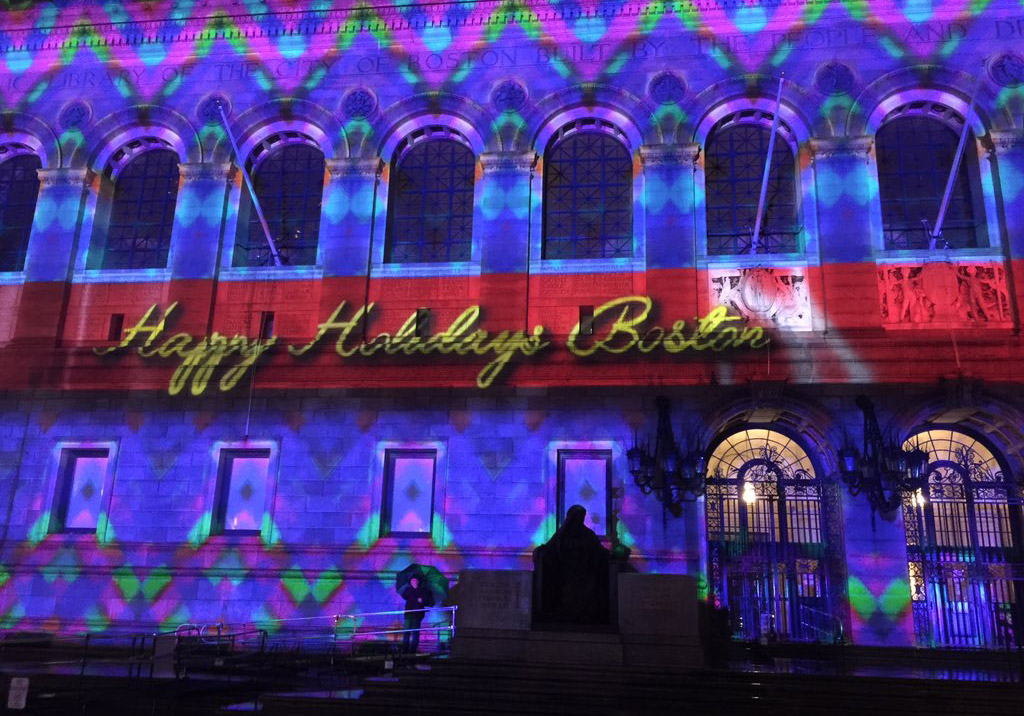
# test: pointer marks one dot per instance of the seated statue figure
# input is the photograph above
(570, 575)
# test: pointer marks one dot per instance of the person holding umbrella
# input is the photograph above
(418, 597)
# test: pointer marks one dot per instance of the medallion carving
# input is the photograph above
(764, 296)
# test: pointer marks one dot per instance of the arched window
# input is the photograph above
(19, 189)
(588, 193)
(733, 168)
(768, 561)
(288, 175)
(964, 546)
(430, 214)
(915, 151)
(145, 176)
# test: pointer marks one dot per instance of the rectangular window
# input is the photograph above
(81, 480)
(408, 505)
(242, 480)
(584, 477)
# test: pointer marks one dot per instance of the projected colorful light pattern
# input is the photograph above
(168, 569)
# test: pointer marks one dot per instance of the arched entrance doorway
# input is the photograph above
(964, 545)
(768, 537)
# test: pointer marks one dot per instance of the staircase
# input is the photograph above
(461, 687)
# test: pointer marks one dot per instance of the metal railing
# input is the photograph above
(221, 647)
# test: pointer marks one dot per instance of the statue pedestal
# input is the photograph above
(657, 617)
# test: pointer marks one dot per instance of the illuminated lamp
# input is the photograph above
(883, 471)
(674, 475)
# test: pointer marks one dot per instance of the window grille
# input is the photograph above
(964, 546)
(19, 189)
(766, 536)
(430, 215)
(289, 181)
(588, 193)
(734, 167)
(142, 209)
(915, 153)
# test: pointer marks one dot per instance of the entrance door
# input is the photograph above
(964, 547)
(767, 545)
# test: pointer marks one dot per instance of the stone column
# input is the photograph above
(1008, 157)
(199, 220)
(672, 277)
(347, 216)
(501, 232)
(52, 247)
(850, 228)
(668, 201)
(56, 222)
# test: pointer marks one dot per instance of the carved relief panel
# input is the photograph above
(764, 296)
(943, 294)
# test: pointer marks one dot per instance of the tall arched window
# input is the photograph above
(915, 148)
(145, 176)
(964, 546)
(430, 213)
(733, 168)
(768, 559)
(288, 175)
(588, 193)
(19, 189)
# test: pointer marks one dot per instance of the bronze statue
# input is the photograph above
(570, 578)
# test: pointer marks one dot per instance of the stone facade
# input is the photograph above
(931, 335)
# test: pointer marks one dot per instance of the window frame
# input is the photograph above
(391, 456)
(970, 167)
(569, 132)
(246, 214)
(417, 140)
(762, 119)
(61, 481)
(561, 506)
(439, 534)
(209, 528)
(100, 206)
(17, 153)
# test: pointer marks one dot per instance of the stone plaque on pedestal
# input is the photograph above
(658, 620)
(494, 599)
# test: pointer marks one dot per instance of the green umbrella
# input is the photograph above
(432, 576)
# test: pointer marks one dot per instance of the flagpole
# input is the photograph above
(756, 238)
(252, 190)
(936, 232)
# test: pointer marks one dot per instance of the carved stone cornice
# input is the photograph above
(842, 146)
(205, 171)
(65, 176)
(337, 18)
(1003, 141)
(507, 162)
(660, 155)
(352, 167)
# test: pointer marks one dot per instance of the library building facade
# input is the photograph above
(295, 294)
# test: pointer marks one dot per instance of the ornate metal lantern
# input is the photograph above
(675, 475)
(883, 471)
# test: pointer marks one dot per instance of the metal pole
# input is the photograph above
(936, 232)
(755, 240)
(252, 190)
